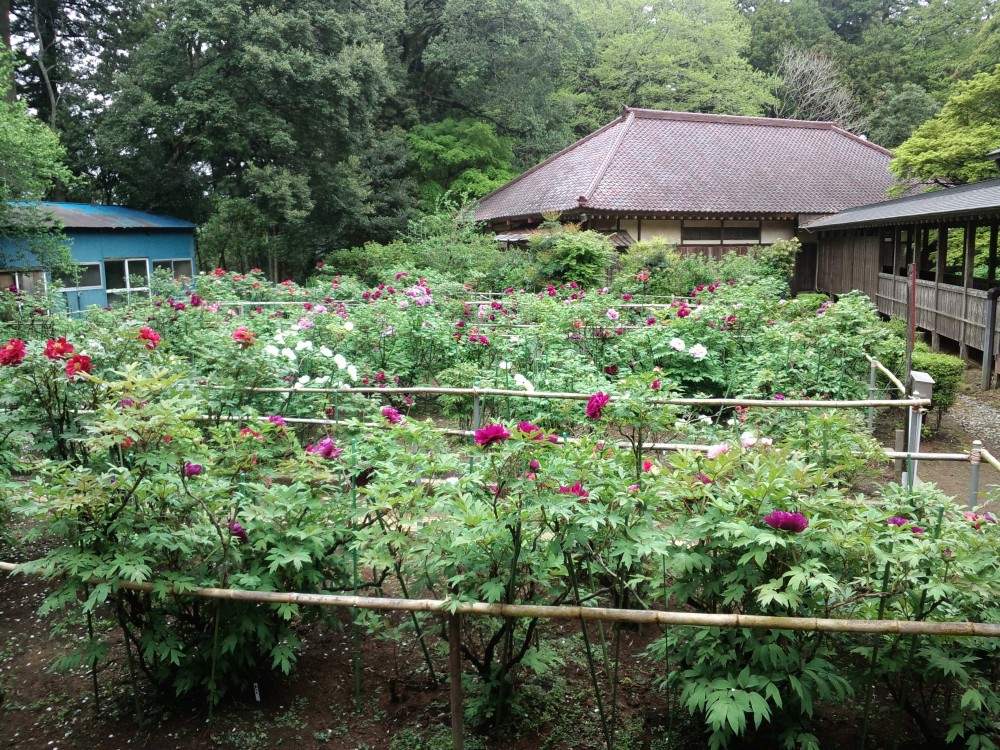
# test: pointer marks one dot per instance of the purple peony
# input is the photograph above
(392, 416)
(192, 470)
(596, 404)
(325, 448)
(238, 531)
(491, 433)
(898, 521)
(277, 420)
(782, 520)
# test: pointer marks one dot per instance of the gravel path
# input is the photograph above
(979, 418)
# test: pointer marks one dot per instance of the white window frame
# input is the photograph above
(128, 290)
(172, 261)
(100, 270)
(17, 277)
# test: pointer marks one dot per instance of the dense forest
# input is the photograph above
(287, 129)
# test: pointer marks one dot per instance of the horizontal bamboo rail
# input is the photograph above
(600, 614)
(439, 390)
(990, 459)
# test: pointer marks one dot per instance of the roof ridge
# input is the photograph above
(552, 158)
(927, 194)
(778, 122)
(602, 170)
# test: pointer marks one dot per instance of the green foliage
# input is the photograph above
(564, 254)
(899, 113)
(947, 372)
(463, 157)
(949, 148)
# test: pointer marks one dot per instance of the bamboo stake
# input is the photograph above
(606, 614)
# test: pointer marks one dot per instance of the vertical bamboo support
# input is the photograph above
(477, 407)
(355, 630)
(872, 393)
(975, 461)
(913, 442)
(455, 676)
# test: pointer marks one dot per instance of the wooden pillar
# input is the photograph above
(942, 259)
(968, 273)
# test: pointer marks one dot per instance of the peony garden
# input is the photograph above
(588, 445)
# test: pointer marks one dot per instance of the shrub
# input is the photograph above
(564, 253)
(947, 372)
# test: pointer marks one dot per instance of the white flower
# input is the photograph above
(286, 352)
(504, 365)
(678, 344)
(748, 440)
(272, 350)
(301, 381)
(303, 345)
(326, 351)
(705, 418)
(279, 338)
(766, 441)
(338, 359)
(348, 325)
(352, 373)
(698, 351)
(522, 381)
(322, 380)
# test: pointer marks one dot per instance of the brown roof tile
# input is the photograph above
(648, 161)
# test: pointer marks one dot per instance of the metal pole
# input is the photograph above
(455, 672)
(477, 410)
(898, 463)
(872, 391)
(913, 442)
(975, 461)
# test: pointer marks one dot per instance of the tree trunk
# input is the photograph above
(5, 44)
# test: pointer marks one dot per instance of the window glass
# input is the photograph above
(701, 232)
(114, 274)
(742, 234)
(82, 277)
(138, 270)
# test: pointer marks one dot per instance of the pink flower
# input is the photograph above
(277, 420)
(784, 521)
(747, 440)
(244, 336)
(596, 404)
(917, 530)
(392, 416)
(325, 448)
(633, 488)
(612, 314)
(778, 397)
(656, 385)
(576, 489)
(490, 434)
(647, 466)
(702, 478)
(715, 451)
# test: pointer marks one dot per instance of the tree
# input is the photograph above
(684, 55)
(899, 112)
(776, 25)
(950, 148)
(261, 111)
(811, 89)
(30, 166)
(464, 157)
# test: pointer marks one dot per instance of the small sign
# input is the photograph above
(256, 692)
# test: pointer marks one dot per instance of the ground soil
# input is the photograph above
(315, 708)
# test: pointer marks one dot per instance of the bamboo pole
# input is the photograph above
(601, 614)
(989, 458)
(440, 390)
(888, 373)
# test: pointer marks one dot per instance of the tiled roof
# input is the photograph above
(649, 161)
(89, 216)
(965, 200)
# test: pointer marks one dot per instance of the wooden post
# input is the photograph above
(455, 676)
(942, 260)
(968, 273)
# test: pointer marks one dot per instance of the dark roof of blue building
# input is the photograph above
(89, 216)
(965, 200)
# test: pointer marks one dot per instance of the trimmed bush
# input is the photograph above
(947, 372)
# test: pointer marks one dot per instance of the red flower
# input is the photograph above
(596, 404)
(57, 349)
(244, 336)
(491, 433)
(78, 364)
(247, 432)
(576, 489)
(12, 353)
(151, 337)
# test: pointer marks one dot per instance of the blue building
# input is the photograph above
(116, 250)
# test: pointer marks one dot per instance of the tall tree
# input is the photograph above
(950, 148)
(776, 25)
(30, 165)
(812, 89)
(671, 54)
(255, 112)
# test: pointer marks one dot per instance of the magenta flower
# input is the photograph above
(596, 404)
(392, 416)
(237, 530)
(898, 521)
(325, 448)
(575, 489)
(702, 477)
(491, 433)
(779, 397)
(917, 530)
(534, 465)
(192, 470)
(277, 420)
(782, 520)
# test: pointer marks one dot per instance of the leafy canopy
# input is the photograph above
(950, 149)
